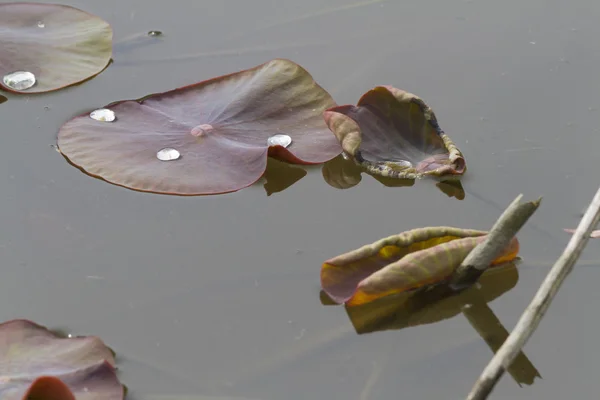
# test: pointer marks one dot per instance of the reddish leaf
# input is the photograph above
(36, 364)
(399, 263)
(219, 127)
(59, 45)
(394, 133)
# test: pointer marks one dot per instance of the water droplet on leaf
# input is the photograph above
(103, 114)
(168, 154)
(279, 140)
(19, 80)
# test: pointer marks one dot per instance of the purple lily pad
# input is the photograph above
(208, 138)
(37, 364)
(393, 133)
(59, 45)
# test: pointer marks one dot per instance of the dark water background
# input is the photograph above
(220, 295)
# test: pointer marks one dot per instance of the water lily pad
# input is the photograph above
(403, 262)
(393, 133)
(45, 47)
(220, 131)
(37, 364)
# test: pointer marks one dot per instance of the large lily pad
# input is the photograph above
(403, 262)
(393, 133)
(37, 364)
(219, 131)
(59, 45)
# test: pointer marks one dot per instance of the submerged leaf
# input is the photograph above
(393, 133)
(219, 128)
(45, 47)
(400, 263)
(37, 364)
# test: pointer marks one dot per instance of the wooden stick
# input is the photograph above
(539, 305)
(505, 228)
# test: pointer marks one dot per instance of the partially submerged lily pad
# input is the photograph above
(217, 133)
(37, 364)
(403, 262)
(393, 133)
(45, 47)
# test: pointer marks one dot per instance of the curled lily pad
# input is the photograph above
(45, 47)
(393, 133)
(403, 262)
(208, 138)
(35, 363)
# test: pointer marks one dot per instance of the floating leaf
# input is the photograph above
(220, 128)
(393, 133)
(37, 364)
(402, 262)
(45, 47)
(593, 235)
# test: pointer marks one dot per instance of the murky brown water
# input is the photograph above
(220, 295)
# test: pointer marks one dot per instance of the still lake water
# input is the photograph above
(219, 295)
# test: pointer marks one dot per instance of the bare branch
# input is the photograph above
(505, 228)
(539, 305)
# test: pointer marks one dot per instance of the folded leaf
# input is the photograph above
(403, 262)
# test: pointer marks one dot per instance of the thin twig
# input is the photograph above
(503, 231)
(539, 305)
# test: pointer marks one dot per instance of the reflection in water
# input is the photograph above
(344, 174)
(280, 175)
(425, 307)
(2, 99)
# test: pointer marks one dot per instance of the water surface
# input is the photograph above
(219, 295)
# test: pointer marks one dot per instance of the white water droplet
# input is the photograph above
(41, 24)
(168, 154)
(19, 80)
(103, 115)
(279, 140)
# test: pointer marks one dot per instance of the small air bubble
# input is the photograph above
(103, 115)
(168, 154)
(279, 140)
